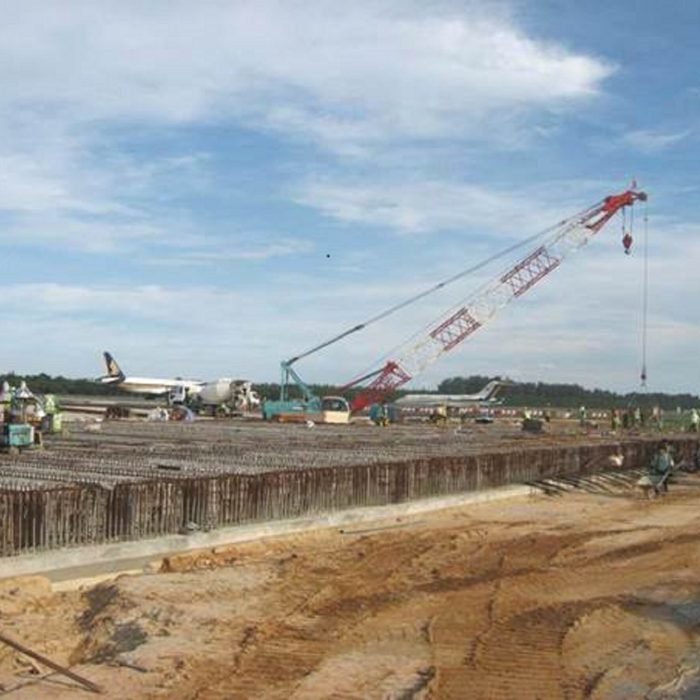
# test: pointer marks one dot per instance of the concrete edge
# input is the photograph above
(132, 557)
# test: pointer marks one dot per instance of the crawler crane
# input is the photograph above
(454, 327)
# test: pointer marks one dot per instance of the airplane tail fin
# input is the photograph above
(490, 390)
(113, 369)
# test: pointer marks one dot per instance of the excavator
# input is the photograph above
(551, 247)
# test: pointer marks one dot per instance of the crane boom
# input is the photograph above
(453, 328)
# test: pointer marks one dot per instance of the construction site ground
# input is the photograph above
(583, 592)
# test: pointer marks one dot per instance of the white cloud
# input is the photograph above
(339, 73)
(236, 250)
(653, 140)
(351, 78)
(433, 206)
(27, 185)
(54, 191)
(91, 235)
(145, 302)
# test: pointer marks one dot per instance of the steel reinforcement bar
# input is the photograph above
(34, 518)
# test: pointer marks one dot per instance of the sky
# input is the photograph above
(206, 189)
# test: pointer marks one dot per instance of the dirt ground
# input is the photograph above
(568, 595)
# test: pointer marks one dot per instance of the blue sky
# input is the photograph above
(208, 188)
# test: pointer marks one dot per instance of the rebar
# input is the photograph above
(140, 480)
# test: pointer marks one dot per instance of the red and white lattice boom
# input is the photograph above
(453, 328)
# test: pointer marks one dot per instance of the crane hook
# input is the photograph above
(627, 243)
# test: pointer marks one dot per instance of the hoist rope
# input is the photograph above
(421, 295)
(431, 290)
(645, 297)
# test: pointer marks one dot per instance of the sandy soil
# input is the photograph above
(577, 595)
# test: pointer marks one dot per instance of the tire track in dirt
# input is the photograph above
(341, 606)
(292, 648)
(566, 598)
(520, 644)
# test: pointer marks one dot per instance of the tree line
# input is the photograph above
(45, 384)
(534, 394)
(542, 394)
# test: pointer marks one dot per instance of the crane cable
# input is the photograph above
(440, 285)
(576, 218)
(645, 297)
(417, 297)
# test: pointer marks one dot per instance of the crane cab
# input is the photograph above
(328, 409)
(335, 409)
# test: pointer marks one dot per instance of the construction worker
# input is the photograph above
(626, 419)
(53, 420)
(378, 414)
(5, 400)
(439, 417)
(660, 467)
(694, 420)
(637, 417)
(615, 420)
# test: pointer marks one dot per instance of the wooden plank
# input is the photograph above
(51, 664)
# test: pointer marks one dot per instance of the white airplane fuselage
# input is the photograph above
(214, 393)
(487, 396)
(152, 386)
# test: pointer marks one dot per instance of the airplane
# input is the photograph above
(150, 386)
(235, 392)
(487, 395)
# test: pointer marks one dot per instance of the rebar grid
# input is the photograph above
(139, 480)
